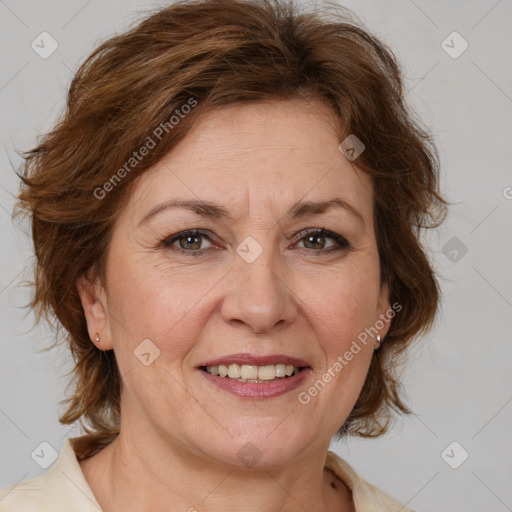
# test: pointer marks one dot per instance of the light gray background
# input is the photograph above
(458, 379)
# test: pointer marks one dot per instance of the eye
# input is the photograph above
(189, 241)
(315, 240)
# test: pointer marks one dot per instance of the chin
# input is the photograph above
(257, 448)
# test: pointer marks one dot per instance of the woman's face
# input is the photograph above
(258, 285)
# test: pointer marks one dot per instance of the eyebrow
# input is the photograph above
(215, 211)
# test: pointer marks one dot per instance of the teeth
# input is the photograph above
(253, 373)
(248, 371)
(234, 371)
(281, 370)
(267, 372)
(214, 370)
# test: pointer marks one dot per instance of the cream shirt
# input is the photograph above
(63, 488)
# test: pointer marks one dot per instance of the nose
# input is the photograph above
(260, 295)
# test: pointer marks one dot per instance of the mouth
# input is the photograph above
(256, 377)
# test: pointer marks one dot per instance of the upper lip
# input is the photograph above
(256, 360)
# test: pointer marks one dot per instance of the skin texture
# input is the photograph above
(180, 434)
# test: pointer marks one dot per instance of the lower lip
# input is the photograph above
(258, 390)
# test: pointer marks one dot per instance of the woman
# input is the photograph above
(226, 222)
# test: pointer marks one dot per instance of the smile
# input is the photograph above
(255, 376)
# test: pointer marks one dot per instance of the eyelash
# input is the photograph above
(342, 244)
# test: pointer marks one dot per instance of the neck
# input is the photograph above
(136, 472)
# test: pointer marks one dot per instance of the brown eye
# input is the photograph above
(314, 241)
(190, 241)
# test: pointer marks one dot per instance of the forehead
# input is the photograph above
(269, 154)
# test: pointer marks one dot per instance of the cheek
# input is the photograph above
(341, 311)
(339, 315)
(344, 304)
(152, 302)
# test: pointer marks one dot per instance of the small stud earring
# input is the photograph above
(378, 342)
(97, 337)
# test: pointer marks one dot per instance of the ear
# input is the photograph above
(384, 312)
(94, 303)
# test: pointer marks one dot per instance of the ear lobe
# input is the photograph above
(94, 303)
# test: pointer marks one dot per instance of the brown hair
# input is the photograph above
(221, 53)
